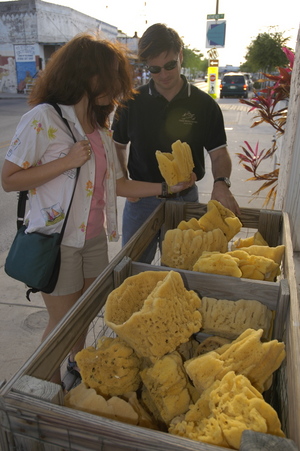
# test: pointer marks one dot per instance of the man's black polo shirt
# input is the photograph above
(150, 123)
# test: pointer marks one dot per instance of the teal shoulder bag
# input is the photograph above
(34, 258)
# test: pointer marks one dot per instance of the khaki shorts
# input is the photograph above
(78, 264)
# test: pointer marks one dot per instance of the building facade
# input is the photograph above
(30, 31)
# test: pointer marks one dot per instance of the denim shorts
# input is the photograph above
(78, 264)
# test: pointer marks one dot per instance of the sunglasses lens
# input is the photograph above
(154, 69)
(168, 66)
(171, 65)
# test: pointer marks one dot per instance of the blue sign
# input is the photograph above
(215, 36)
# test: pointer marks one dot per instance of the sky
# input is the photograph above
(244, 20)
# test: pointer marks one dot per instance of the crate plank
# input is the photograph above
(39, 389)
(292, 339)
(282, 310)
(270, 226)
(221, 287)
(73, 429)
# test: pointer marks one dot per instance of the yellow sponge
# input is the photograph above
(177, 166)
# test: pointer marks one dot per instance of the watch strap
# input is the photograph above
(223, 179)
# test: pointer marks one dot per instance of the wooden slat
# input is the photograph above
(122, 271)
(222, 287)
(72, 429)
(270, 226)
(293, 339)
(48, 391)
(281, 310)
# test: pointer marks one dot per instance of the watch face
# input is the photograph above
(227, 181)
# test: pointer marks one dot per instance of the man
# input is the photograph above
(166, 109)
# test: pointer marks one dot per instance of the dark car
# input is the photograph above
(234, 85)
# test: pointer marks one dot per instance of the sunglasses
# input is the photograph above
(168, 66)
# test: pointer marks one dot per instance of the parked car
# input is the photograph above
(234, 85)
(249, 81)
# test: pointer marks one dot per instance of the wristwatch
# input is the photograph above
(223, 179)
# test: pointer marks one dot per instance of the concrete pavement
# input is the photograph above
(22, 323)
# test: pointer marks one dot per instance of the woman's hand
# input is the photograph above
(183, 185)
(79, 154)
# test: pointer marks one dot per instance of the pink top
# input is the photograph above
(96, 216)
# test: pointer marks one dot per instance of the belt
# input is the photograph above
(181, 193)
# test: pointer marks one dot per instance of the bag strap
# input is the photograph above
(57, 108)
(23, 195)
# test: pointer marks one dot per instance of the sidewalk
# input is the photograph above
(12, 95)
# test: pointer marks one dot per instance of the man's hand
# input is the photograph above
(222, 194)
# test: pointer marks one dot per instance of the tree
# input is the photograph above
(265, 53)
(192, 60)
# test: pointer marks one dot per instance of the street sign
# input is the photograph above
(214, 63)
(215, 16)
(215, 35)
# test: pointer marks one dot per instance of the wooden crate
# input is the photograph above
(32, 415)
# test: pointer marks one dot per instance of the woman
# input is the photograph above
(86, 77)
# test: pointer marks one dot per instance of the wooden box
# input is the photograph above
(32, 414)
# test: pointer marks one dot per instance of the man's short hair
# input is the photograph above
(158, 38)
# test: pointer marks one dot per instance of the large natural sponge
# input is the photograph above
(127, 410)
(177, 166)
(216, 217)
(246, 355)
(273, 253)
(256, 267)
(182, 248)
(88, 400)
(256, 239)
(165, 390)
(153, 312)
(112, 368)
(218, 263)
(238, 263)
(224, 411)
(230, 318)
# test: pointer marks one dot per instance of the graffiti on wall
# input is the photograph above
(8, 80)
(25, 65)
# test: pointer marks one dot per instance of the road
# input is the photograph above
(237, 123)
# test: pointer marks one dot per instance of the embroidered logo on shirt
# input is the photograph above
(51, 132)
(37, 126)
(188, 118)
(26, 165)
(14, 145)
(82, 227)
(89, 188)
(53, 214)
